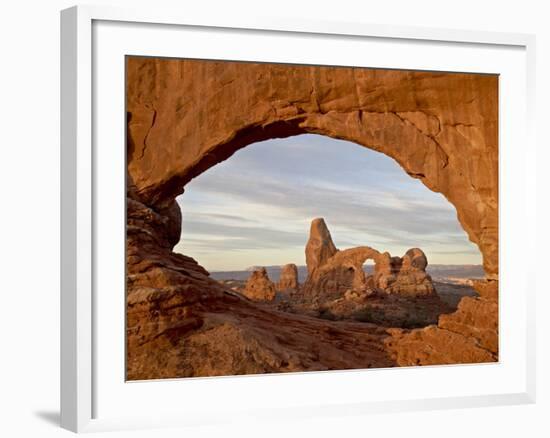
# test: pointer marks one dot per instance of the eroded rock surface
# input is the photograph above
(185, 116)
(404, 275)
(331, 276)
(469, 335)
(259, 287)
(337, 274)
(319, 247)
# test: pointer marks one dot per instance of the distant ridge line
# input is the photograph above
(437, 271)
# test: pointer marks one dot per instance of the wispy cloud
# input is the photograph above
(259, 204)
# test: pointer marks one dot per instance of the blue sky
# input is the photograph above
(255, 208)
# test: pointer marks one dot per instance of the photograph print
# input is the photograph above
(291, 218)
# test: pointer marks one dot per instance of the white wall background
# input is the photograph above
(29, 218)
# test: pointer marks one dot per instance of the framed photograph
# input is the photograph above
(291, 218)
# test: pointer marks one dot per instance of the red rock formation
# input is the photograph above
(331, 276)
(184, 116)
(404, 275)
(187, 115)
(469, 335)
(288, 280)
(342, 271)
(259, 287)
(319, 247)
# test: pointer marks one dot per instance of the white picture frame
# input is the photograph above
(80, 166)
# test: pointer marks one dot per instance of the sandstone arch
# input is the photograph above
(343, 270)
(333, 272)
(185, 116)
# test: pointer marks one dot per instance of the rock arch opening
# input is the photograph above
(246, 221)
(255, 208)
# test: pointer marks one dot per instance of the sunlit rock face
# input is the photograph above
(333, 275)
(185, 116)
(320, 246)
(259, 287)
(404, 275)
